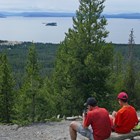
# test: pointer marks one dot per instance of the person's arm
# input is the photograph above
(113, 118)
(86, 120)
(83, 123)
(114, 113)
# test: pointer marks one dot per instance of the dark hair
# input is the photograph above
(124, 100)
(91, 101)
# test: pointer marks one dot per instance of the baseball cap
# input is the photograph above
(123, 96)
(90, 101)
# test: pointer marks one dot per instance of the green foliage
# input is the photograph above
(83, 63)
(130, 78)
(27, 99)
(6, 90)
(48, 100)
(17, 56)
(137, 89)
(32, 103)
(126, 66)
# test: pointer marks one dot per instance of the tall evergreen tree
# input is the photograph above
(6, 90)
(27, 102)
(83, 61)
(130, 79)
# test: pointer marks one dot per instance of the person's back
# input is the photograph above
(126, 119)
(99, 120)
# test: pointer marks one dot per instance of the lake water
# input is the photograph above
(34, 29)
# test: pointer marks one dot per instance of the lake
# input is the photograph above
(34, 29)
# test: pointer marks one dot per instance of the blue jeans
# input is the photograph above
(86, 132)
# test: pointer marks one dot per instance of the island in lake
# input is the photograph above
(51, 24)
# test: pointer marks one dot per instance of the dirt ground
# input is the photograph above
(39, 131)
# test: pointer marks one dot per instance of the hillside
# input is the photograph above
(17, 55)
(124, 15)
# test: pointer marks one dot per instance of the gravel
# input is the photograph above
(39, 131)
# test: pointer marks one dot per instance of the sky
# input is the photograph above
(111, 6)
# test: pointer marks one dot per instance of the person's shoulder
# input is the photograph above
(121, 110)
(103, 109)
(126, 109)
(132, 108)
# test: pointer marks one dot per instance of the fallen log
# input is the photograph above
(74, 118)
(116, 136)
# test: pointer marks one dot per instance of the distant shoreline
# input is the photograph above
(8, 42)
(62, 14)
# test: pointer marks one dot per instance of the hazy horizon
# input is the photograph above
(111, 6)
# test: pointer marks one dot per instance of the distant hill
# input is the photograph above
(124, 15)
(2, 16)
(37, 14)
(63, 14)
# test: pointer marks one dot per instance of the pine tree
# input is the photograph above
(27, 101)
(83, 60)
(130, 78)
(6, 90)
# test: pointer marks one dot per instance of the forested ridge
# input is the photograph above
(17, 56)
(39, 81)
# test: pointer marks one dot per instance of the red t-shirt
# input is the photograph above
(125, 119)
(99, 120)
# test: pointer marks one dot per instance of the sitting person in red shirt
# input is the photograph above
(126, 118)
(97, 118)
